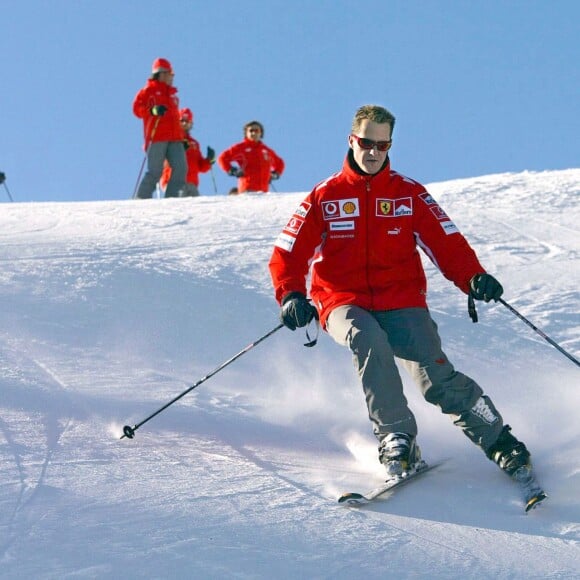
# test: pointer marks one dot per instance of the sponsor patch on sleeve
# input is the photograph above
(449, 227)
(426, 197)
(303, 209)
(294, 224)
(438, 212)
(285, 241)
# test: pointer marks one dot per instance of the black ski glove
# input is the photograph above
(158, 110)
(210, 155)
(2, 177)
(296, 311)
(274, 175)
(235, 172)
(485, 287)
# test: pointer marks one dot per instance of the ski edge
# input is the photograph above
(356, 499)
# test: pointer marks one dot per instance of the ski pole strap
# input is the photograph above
(312, 341)
(471, 308)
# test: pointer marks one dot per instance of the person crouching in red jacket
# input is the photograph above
(253, 163)
(158, 105)
(196, 162)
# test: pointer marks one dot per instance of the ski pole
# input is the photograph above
(129, 432)
(213, 179)
(3, 181)
(145, 158)
(544, 336)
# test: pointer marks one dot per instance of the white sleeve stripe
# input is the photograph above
(427, 250)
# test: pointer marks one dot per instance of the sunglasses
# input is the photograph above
(364, 143)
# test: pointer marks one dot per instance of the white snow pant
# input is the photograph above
(410, 335)
(157, 153)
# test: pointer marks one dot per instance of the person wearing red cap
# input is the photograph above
(253, 163)
(196, 162)
(158, 105)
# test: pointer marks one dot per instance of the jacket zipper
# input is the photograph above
(367, 241)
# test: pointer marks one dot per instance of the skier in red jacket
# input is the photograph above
(158, 105)
(196, 162)
(358, 234)
(253, 163)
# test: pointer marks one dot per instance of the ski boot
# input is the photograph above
(513, 458)
(400, 454)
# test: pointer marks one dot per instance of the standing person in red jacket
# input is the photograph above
(158, 105)
(196, 162)
(359, 230)
(256, 165)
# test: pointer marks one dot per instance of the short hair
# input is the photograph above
(254, 124)
(374, 113)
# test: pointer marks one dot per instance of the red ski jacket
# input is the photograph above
(359, 234)
(196, 164)
(168, 127)
(256, 160)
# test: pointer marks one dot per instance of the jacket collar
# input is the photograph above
(249, 141)
(161, 86)
(354, 174)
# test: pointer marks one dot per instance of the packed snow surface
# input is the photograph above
(109, 310)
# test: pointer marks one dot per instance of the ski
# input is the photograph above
(358, 499)
(532, 491)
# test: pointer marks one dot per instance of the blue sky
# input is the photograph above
(477, 87)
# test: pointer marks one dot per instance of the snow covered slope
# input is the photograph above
(110, 309)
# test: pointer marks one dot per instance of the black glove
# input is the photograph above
(158, 110)
(210, 155)
(186, 144)
(2, 177)
(485, 287)
(274, 175)
(235, 172)
(296, 311)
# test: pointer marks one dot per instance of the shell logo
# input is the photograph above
(349, 207)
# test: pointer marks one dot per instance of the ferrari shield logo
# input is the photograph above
(385, 207)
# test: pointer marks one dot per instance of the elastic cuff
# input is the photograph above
(290, 296)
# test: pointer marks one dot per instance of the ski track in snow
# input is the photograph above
(31, 476)
(113, 308)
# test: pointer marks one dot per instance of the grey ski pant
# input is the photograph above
(410, 335)
(189, 190)
(157, 153)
